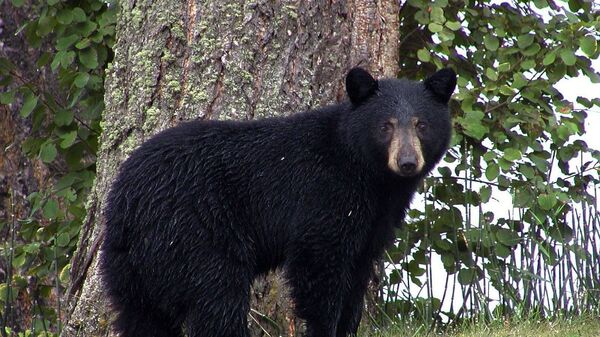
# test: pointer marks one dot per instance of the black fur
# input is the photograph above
(199, 210)
(360, 85)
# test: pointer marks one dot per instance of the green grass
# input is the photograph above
(578, 327)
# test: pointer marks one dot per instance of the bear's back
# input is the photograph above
(252, 174)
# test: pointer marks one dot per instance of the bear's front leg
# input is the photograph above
(354, 303)
(351, 315)
(320, 283)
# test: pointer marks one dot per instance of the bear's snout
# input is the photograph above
(408, 165)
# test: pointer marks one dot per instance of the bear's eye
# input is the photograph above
(421, 127)
(386, 127)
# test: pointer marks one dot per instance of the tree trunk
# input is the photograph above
(177, 61)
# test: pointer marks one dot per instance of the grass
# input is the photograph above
(578, 327)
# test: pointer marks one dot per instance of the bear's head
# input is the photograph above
(401, 126)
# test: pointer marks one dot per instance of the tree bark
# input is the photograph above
(178, 61)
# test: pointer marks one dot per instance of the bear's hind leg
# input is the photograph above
(142, 322)
(221, 309)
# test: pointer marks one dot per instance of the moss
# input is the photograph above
(174, 86)
(291, 11)
(167, 56)
(177, 30)
(152, 114)
(129, 144)
(144, 68)
(233, 9)
(198, 94)
(137, 17)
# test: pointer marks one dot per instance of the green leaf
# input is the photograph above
(62, 58)
(65, 42)
(491, 74)
(84, 43)
(78, 14)
(453, 25)
(504, 164)
(519, 80)
(7, 97)
(524, 41)
(89, 58)
(18, 3)
(504, 67)
(506, 90)
(502, 251)
(68, 139)
(492, 171)
(549, 58)
(448, 260)
(435, 27)
(18, 261)
(446, 35)
(64, 275)
(86, 28)
(592, 75)
(423, 55)
(563, 132)
(81, 80)
(29, 104)
(547, 201)
(44, 59)
(45, 25)
(437, 15)
(531, 50)
(62, 240)
(491, 42)
(475, 129)
(63, 117)
(485, 193)
(588, 45)
(508, 237)
(512, 154)
(466, 276)
(47, 152)
(64, 16)
(541, 163)
(53, 2)
(568, 56)
(50, 209)
(527, 171)
(528, 64)
(32, 248)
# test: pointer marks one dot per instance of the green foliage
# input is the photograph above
(76, 38)
(516, 137)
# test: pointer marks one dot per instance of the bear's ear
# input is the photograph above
(442, 84)
(360, 85)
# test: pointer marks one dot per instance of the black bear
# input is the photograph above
(201, 209)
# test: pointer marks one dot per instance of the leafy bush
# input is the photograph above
(76, 39)
(517, 150)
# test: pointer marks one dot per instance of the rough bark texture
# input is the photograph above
(177, 61)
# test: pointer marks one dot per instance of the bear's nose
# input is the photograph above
(408, 165)
(408, 168)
